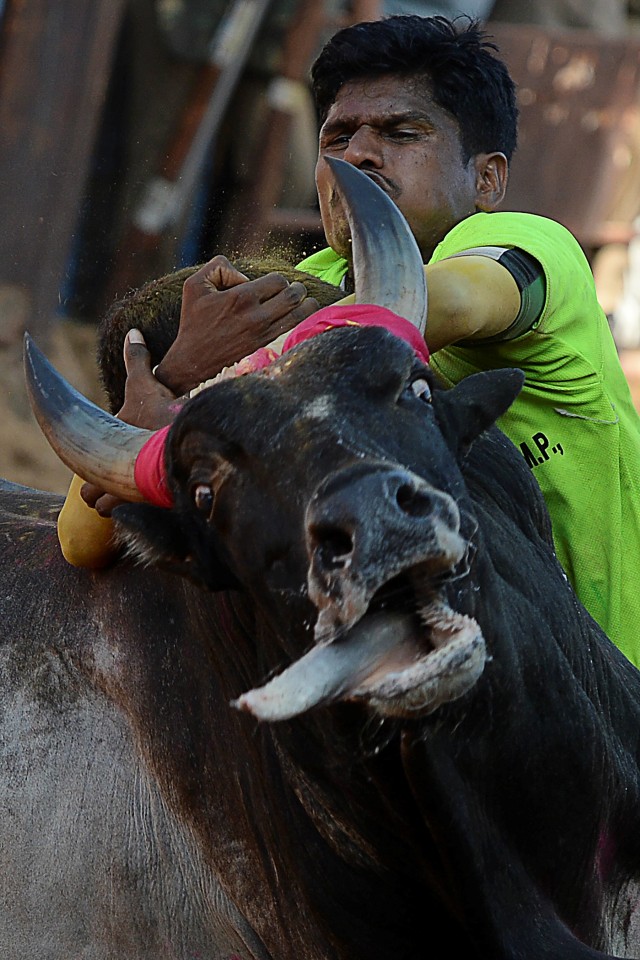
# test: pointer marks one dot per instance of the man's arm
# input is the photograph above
(476, 297)
(470, 298)
(86, 538)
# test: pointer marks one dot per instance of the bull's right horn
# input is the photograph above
(95, 445)
(387, 263)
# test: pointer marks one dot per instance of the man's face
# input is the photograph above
(390, 128)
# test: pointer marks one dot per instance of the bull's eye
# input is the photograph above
(420, 389)
(203, 498)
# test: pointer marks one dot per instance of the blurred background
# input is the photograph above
(142, 135)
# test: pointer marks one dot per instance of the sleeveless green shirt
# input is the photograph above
(574, 422)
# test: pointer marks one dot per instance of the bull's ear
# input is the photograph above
(156, 537)
(474, 404)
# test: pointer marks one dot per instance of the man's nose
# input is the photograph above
(364, 148)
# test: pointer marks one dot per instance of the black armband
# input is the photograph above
(530, 280)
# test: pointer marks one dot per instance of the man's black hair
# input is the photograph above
(454, 57)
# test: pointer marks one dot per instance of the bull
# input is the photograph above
(447, 762)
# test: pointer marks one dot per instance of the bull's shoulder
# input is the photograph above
(24, 503)
(29, 546)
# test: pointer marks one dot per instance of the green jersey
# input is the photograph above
(574, 422)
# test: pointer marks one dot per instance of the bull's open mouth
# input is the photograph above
(401, 663)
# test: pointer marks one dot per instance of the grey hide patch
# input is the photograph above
(322, 408)
(94, 862)
(622, 923)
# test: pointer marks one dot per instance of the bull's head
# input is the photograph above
(328, 486)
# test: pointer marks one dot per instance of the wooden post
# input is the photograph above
(55, 60)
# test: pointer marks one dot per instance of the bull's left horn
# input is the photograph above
(98, 447)
(387, 263)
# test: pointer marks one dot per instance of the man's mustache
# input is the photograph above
(390, 187)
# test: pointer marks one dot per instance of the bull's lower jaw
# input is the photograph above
(443, 675)
(396, 664)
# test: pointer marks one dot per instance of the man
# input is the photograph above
(424, 108)
(428, 112)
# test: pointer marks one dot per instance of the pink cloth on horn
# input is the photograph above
(358, 315)
(150, 472)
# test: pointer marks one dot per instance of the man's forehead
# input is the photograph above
(389, 95)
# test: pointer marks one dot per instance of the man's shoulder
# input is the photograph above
(537, 235)
(325, 264)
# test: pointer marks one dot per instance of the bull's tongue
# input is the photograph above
(330, 671)
(378, 661)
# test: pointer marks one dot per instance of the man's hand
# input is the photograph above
(147, 404)
(225, 317)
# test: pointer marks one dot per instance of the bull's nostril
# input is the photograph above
(334, 546)
(415, 503)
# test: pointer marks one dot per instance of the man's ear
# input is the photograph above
(492, 176)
